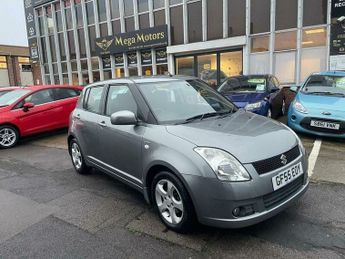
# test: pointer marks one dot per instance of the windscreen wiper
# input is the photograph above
(200, 117)
(327, 93)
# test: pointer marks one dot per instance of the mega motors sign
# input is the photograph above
(132, 41)
(338, 8)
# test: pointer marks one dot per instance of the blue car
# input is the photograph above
(319, 106)
(260, 94)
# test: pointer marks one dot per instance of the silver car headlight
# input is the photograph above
(225, 166)
(253, 106)
(299, 107)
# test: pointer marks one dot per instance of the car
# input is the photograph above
(319, 105)
(4, 90)
(35, 109)
(260, 94)
(188, 150)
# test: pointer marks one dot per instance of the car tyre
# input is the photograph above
(77, 157)
(9, 136)
(172, 202)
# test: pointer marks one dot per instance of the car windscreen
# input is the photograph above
(176, 101)
(3, 92)
(243, 84)
(325, 85)
(11, 97)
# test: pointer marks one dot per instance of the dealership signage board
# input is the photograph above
(338, 8)
(132, 41)
(31, 30)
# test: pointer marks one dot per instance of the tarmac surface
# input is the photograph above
(48, 211)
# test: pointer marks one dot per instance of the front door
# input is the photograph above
(121, 144)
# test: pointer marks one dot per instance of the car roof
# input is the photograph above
(331, 73)
(252, 75)
(145, 79)
(9, 88)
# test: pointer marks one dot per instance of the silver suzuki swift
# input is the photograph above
(193, 154)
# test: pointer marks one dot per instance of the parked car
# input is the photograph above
(319, 106)
(189, 150)
(260, 94)
(4, 90)
(35, 109)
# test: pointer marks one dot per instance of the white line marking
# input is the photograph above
(313, 156)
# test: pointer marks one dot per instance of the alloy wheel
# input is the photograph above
(7, 137)
(76, 156)
(283, 107)
(169, 201)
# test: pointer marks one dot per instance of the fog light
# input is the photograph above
(293, 117)
(236, 212)
(243, 211)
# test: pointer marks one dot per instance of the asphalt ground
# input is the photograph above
(48, 211)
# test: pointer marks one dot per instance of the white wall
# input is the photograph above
(4, 80)
(26, 78)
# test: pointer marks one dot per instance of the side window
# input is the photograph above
(64, 93)
(93, 98)
(120, 98)
(41, 97)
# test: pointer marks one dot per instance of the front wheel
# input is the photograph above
(172, 202)
(9, 136)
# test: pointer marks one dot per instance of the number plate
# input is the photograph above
(289, 175)
(325, 125)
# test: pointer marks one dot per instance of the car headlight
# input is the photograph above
(225, 166)
(299, 107)
(253, 106)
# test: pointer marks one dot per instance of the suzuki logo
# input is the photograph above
(283, 159)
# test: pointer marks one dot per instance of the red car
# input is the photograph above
(4, 90)
(35, 109)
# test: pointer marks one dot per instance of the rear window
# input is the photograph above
(92, 99)
(64, 93)
(244, 84)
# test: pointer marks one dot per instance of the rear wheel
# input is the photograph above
(9, 136)
(77, 158)
(172, 202)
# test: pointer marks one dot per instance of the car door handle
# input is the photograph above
(102, 124)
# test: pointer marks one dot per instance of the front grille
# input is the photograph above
(305, 123)
(274, 198)
(273, 163)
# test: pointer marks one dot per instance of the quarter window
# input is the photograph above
(93, 99)
(120, 98)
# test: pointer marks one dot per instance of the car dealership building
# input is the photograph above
(83, 41)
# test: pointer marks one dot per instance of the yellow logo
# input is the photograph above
(104, 44)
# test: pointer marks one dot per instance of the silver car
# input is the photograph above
(192, 153)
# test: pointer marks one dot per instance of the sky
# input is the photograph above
(12, 23)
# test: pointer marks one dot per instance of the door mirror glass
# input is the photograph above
(123, 118)
(28, 106)
(294, 88)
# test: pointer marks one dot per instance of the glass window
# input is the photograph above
(85, 78)
(158, 4)
(75, 80)
(314, 12)
(102, 13)
(207, 69)
(114, 8)
(244, 84)
(92, 37)
(64, 93)
(120, 98)
(3, 62)
(173, 2)
(159, 17)
(50, 21)
(259, 63)
(79, 15)
(52, 48)
(12, 97)
(231, 64)
(59, 21)
(74, 65)
(176, 20)
(143, 5)
(107, 74)
(144, 21)
(41, 25)
(260, 16)
(129, 22)
(116, 27)
(71, 45)
(314, 37)
(237, 17)
(162, 69)
(83, 64)
(285, 66)
(119, 72)
(82, 46)
(147, 70)
(259, 44)
(185, 66)
(313, 60)
(128, 7)
(69, 18)
(44, 50)
(133, 71)
(90, 13)
(195, 22)
(41, 97)
(286, 14)
(215, 19)
(103, 29)
(94, 63)
(92, 101)
(286, 40)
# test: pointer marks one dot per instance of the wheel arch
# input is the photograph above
(12, 125)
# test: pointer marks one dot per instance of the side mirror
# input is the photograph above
(294, 88)
(123, 118)
(28, 106)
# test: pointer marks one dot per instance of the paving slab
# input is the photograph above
(18, 213)
(150, 224)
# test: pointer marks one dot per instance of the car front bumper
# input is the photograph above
(215, 201)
